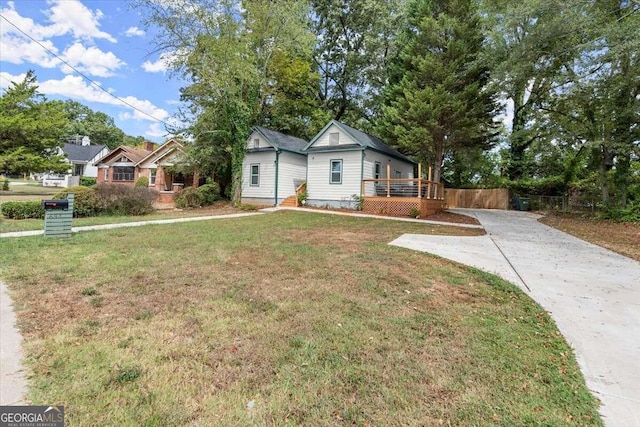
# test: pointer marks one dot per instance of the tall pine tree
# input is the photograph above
(438, 100)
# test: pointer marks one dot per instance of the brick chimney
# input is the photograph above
(149, 146)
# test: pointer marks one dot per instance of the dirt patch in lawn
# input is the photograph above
(620, 237)
(446, 216)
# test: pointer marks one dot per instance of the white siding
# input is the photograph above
(320, 190)
(266, 188)
(292, 170)
(91, 170)
(323, 141)
(371, 157)
(262, 143)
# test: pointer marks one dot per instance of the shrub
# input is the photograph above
(629, 214)
(22, 210)
(247, 207)
(210, 193)
(192, 197)
(85, 202)
(87, 181)
(142, 181)
(414, 212)
(118, 199)
(5, 185)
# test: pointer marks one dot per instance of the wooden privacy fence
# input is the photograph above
(486, 198)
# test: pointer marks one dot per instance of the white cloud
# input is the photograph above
(160, 66)
(91, 60)
(156, 130)
(17, 48)
(134, 32)
(154, 67)
(73, 16)
(77, 88)
(6, 79)
(64, 16)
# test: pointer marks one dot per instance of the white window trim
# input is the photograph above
(251, 175)
(152, 177)
(331, 171)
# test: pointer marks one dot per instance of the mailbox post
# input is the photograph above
(58, 214)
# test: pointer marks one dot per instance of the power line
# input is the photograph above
(93, 83)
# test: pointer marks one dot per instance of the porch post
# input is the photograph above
(429, 184)
(388, 182)
(419, 180)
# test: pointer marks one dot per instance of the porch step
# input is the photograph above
(290, 202)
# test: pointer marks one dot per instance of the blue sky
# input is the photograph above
(104, 40)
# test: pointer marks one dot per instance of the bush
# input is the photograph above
(210, 193)
(87, 181)
(192, 197)
(22, 210)
(630, 214)
(142, 181)
(5, 185)
(85, 202)
(414, 213)
(118, 199)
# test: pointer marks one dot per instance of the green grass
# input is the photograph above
(8, 225)
(283, 319)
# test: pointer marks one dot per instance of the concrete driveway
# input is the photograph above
(593, 295)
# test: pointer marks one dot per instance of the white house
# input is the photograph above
(273, 167)
(81, 157)
(340, 157)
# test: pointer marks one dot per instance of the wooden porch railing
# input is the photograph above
(403, 187)
(300, 189)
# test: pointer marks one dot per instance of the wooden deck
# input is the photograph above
(402, 197)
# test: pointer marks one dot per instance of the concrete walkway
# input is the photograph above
(12, 380)
(592, 294)
(131, 224)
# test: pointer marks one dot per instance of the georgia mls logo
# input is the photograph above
(31, 416)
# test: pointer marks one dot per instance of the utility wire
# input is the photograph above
(83, 75)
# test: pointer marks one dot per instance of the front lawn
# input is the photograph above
(220, 208)
(290, 318)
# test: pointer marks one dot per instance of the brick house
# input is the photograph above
(124, 165)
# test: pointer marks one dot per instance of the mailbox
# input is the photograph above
(55, 205)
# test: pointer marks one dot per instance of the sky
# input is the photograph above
(105, 41)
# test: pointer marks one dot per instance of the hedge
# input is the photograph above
(22, 210)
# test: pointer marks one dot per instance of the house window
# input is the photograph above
(152, 176)
(78, 170)
(398, 174)
(336, 172)
(255, 175)
(123, 173)
(377, 171)
(334, 138)
(256, 143)
(106, 175)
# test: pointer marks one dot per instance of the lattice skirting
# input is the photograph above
(401, 206)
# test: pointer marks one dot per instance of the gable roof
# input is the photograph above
(133, 154)
(82, 153)
(362, 139)
(281, 141)
(162, 151)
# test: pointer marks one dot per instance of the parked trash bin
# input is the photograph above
(521, 203)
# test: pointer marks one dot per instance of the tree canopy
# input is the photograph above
(30, 129)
